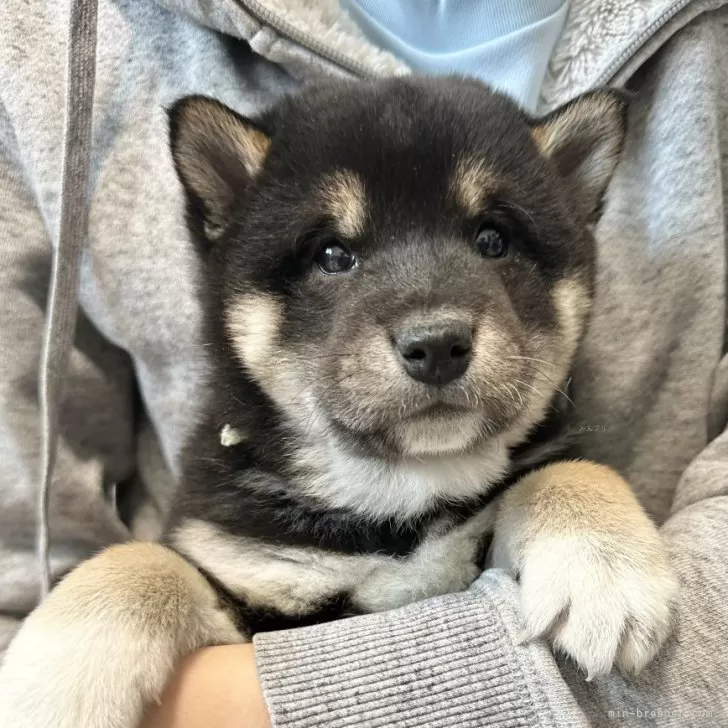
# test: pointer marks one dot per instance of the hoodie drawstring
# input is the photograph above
(62, 306)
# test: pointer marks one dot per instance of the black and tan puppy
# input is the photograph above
(397, 276)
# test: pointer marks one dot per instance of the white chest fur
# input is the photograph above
(377, 488)
(295, 580)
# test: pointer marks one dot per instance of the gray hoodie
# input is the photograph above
(97, 305)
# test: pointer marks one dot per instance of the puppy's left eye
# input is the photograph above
(332, 257)
(491, 241)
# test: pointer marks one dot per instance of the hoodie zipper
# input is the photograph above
(263, 15)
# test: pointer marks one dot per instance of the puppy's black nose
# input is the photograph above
(435, 353)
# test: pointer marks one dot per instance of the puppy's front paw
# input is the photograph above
(101, 647)
(601, 600)
(595, 577)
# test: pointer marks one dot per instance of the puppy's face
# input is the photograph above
(406, 263)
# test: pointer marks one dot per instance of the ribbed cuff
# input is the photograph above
(447, 662)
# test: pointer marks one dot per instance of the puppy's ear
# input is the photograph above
(217, 154)
(584, 139)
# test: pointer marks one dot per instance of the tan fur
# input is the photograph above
(595, 108)
(545, 135)
(344, 199)
(584, 141)
(209, 126)
(248, 144)
(105, 641)
(578, 496)
(252, 322)
(594, 573)
(572, 302)
(471, 185)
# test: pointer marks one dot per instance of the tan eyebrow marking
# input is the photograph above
(345, 201)
(471, 184)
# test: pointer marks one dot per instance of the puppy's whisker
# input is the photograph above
(556, 388)
(536, 391)
(530, 358)
(515, 389)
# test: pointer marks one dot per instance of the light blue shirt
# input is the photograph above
(506, 44)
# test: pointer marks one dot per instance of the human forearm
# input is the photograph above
(216, 686)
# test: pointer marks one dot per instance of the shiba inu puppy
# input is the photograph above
(396, 278)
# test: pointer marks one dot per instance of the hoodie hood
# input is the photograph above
(603, 43)
(307, 37)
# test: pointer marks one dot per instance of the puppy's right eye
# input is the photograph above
(492, 241)
(333, 258)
